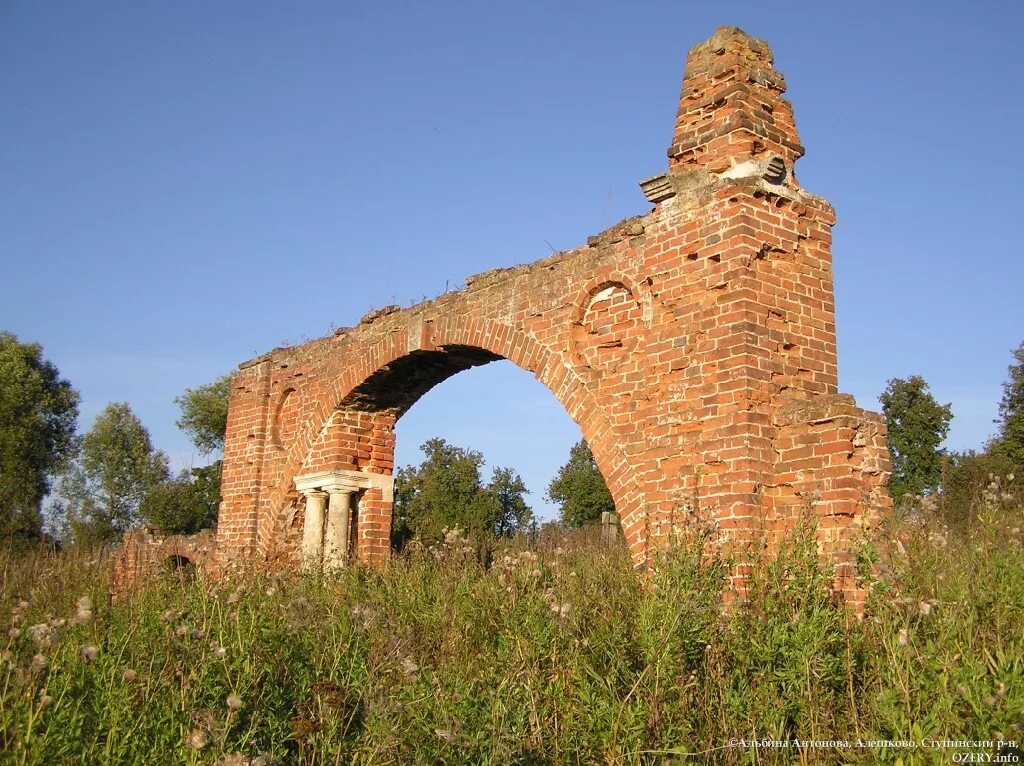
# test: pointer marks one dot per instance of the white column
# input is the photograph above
(313, 528)
(339, 513)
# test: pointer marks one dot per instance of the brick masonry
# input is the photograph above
(693, 345)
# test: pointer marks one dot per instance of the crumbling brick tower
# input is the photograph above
(694, 346)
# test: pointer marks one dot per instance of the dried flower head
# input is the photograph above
(90, 653)
(45, 700)
(234, 702)
(220, 652)
(129, 676)
(409, 667)
(84, 604)
(198, 739)
(903, 638)
(39, 662)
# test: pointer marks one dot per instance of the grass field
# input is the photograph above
(561, 654)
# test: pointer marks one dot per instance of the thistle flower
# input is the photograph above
(90, 653)
(234, 702)
(39, 662)
(82, 617)
(13, 633)
(198, 739)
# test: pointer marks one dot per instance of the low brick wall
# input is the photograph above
(145, 554)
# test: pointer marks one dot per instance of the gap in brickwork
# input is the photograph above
(505, 413)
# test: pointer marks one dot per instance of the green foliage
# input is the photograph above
(580, 489)
(918, 425)
(966, 479)
(186, 504)
(117, 466)
(447, 491)
(1010, 441)
(38, 414)
(560, 655)
(204, 414)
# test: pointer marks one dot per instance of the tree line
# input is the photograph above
(102, 483)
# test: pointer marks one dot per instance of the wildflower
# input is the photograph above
(13, 633)
(198, 739)
(129, 676)
(564, 609)
(7, 656)
(45, 700)
(39, 662)
(181, 631)
(235, 759)
(234, 702)
(90, 653)
(40, 633)
(82, 617)
(924, 608)
(233, 598)
(903, 637)
(220, 652)
(409, 667)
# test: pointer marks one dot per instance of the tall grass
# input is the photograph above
(557, 655)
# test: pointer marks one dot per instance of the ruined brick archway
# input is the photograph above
(694, 346)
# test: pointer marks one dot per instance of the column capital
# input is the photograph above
(313, 493)
(333, 481)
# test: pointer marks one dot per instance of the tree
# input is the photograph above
(185, 504)
(580, 489)
(115, 470)
(192, 502)
(38, 416)
(446, 490)
(204, 414)
(508, 490)
(918, 425)
(1010, 441)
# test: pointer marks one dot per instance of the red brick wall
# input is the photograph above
(694, 346)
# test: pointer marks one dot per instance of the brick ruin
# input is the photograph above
(693, 345)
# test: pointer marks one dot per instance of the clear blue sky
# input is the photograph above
(184, 185)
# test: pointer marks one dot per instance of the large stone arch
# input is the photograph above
(694, 345)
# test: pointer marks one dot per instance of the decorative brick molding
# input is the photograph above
(694, 346)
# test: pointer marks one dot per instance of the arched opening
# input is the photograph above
(356, 449)
(179, 566)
